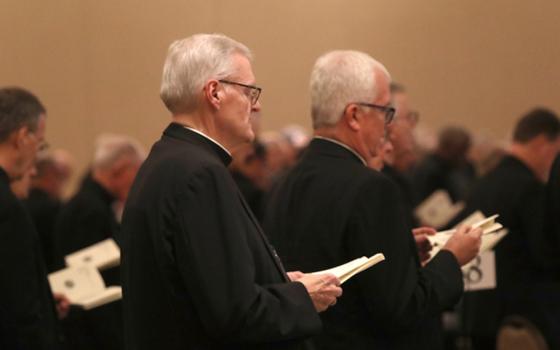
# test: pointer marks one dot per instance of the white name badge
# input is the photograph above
(480, 273)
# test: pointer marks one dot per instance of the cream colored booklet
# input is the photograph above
(438, 209)
(83, 286)
(346, 271)
(102, 255)
(492, 232)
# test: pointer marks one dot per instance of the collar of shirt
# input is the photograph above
(4, 176)
(209, 138)
(342, 145)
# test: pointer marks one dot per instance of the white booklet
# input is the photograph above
(346, 271)
(102, 255)
(492, 232)
(83, 286)
(438, 209)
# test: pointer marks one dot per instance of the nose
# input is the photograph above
(256, 107)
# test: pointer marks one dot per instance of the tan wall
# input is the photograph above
(96, 64)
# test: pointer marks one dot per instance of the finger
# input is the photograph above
(331, 279)
(332, 291)
(424, 230)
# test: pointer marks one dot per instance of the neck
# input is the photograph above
(103, 179)
(526, 155)
(8, 163)
(205, 124)
(344, 137)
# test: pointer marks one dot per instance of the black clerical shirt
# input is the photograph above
(27, 312)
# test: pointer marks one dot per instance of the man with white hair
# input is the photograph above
(332, 208)
(198, 273)
(88, 218)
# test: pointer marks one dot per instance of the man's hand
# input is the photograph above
(295, 275)
(423, 244)
(464, 244)
(62, 305)
(323, 289)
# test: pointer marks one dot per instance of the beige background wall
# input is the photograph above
(96, 64)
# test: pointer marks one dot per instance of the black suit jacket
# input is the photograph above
(434, 173)
(552, 220)
(88, 218)
(330, 209)
(44, 211)
(27, 314)
(406, 192)
(527, 262)
(197, 271)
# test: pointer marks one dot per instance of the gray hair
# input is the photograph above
(191, 62)
(18, 108)
(110, 148)
(339, 78)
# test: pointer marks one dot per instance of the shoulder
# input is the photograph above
(10, 206)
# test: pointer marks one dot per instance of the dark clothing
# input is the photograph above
(552, 223)
(44, 211)
(435, 173)
(198, 272)
(406, 192)
(526, 262)
(87, 219)
(331, 209)
(253, 195)
(27, 312)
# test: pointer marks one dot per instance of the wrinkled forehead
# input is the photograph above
(382, 81)
(242, 68)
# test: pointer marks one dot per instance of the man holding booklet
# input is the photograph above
(526, 260)
(198, 273)
(332, 208)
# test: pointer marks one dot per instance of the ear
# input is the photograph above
(213, 93)
(19, 137)
(351, 117)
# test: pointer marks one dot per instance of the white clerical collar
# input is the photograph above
(342, 145)
(208, 137)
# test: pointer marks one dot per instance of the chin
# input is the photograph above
(250, 137)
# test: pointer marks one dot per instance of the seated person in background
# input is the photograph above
(88, 218)
(527, 261)
(45, 198)
(448, 168)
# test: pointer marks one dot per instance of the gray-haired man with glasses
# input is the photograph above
(198, 272)
(332, 208)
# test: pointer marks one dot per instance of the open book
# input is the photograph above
(492, 232)
(102, 255)
(438, 209)
(83, 286)
(346, 271)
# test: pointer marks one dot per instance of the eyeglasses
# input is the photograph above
(413, 117)
(254, 91)
(43, 146)
(388, 110)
